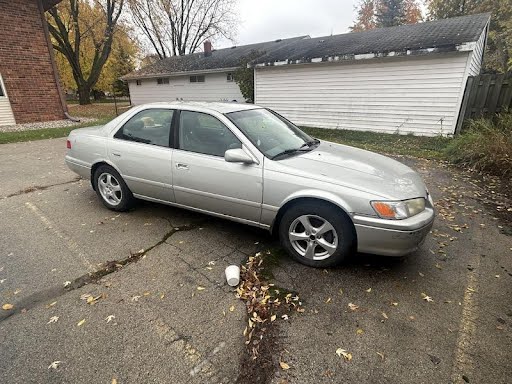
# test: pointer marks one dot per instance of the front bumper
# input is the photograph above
(393, 237)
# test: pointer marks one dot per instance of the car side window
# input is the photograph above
(203, 133)
(151, 126)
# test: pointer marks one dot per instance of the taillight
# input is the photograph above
(68, 144)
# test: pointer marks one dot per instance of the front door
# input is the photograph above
(141, 151)
(203, 179)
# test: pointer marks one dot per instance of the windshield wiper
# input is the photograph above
(310, 143)
(289, 151)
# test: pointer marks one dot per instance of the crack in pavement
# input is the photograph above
(107, 268)
(39, 188)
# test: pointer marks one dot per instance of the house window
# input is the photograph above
(138, 82)
(162, 80)
(197, 79)
(229, 77)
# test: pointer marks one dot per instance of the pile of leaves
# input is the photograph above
(264, 303)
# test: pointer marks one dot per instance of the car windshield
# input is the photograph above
(272, 134)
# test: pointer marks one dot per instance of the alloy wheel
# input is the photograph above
(313, 237)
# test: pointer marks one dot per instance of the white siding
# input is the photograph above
(215, 88)
(476, 57)
(6, 115)
(407, 95)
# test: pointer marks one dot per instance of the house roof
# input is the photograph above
(226, 58)
(454, 34)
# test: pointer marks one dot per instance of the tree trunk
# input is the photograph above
(84, 95)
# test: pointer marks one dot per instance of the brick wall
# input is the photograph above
(25, 63)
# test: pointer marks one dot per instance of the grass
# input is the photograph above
(102, 112)
(392, 144)
(486, 146)
(41, 134)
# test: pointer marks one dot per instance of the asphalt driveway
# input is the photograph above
(442, 315)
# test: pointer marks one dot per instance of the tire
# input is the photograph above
(111, 189)
(317, 234)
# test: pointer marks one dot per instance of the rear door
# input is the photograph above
(141, 150)
(203, 179)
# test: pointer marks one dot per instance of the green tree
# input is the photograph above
(385, 13)
(390, 13)
(244, 76)
(498, 55)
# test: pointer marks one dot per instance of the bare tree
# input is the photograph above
(178, 27)
(149, 18)
(71, 30)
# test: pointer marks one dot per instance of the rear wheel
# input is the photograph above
(317, 234)
(111, 189)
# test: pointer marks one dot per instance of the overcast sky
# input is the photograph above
(265, 20)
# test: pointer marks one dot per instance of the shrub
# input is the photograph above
(486, 145)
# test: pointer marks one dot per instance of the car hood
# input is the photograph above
(358, 169)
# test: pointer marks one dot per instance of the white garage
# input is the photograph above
(408, 79)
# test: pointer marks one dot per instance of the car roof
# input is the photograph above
(221, 107)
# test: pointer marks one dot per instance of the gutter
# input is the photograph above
(175, 74)
(464, 47)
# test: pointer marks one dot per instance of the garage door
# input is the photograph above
(6, 115)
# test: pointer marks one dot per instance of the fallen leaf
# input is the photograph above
(353, 307)
(135, 298)
(359, 332)
(232, 308)
(284, 365)
(109, 318)
(346, 355)
(284, 317)
(67, 283)
(81, 322)
(53, 319)
(54, 365)
(369, 290)
(273, 318)
(384, 315)
(114, 381)
(427, 298)
(422, 275)
(381, 355)
(51, 304)
(394, 304)
(201, 288)
(7, 307)
(328, 300)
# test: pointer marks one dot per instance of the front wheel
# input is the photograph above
(317, 234)
(111, 189)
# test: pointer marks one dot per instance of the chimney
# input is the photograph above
(207, 48)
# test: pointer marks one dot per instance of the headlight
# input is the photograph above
(399, 209)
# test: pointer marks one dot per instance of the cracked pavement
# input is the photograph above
(150, 323)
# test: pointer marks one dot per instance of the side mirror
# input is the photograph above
(237, 155)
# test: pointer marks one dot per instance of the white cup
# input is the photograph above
(233, 275)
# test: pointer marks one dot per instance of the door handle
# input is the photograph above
(116, 154)
(181, 166)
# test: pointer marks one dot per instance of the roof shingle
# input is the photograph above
(422, 38)
(220, 58)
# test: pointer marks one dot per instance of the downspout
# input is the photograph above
(54, 65)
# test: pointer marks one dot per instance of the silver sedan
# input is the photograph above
(249, 164)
